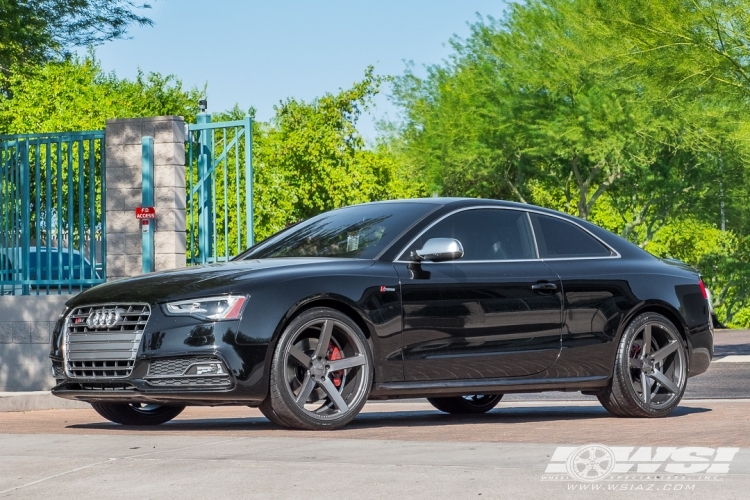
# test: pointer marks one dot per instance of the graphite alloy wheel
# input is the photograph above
(321, 373)
(137, 414)
(650, 372)
(474, 404)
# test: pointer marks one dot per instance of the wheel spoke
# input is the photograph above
(343, 364)
(307, 387)
(333, 393)
(646, 388)
(665, 382)
(300, 356)
(646, 348)
(665, 351)
(325, 339)
(598, 468)
(635, 363)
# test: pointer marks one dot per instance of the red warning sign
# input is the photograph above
(145, 213)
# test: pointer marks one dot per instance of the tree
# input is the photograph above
(35, 31)
(533, 96)
(692, 47)
(76, 94)
(311, 158)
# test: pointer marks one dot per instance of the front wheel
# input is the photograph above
(266, 408)
(137, 414)
(321, 371)
(650, 373)
(477, 403)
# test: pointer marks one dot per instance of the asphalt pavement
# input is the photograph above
(530, 446)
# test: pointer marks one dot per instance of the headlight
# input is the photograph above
(214, 308)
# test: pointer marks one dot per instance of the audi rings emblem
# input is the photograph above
(103, 318)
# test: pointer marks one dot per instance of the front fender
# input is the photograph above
(361, 295)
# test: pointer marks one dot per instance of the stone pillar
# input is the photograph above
(123, 150)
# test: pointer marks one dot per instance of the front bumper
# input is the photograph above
(137, 392)
(164, 370)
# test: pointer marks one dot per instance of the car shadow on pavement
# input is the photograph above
(398, 419)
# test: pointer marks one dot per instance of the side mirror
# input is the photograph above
(440, 250)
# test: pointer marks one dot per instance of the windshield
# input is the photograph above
(358, 232)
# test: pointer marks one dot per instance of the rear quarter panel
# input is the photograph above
(603, 296)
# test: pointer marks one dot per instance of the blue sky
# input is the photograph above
(256, 53)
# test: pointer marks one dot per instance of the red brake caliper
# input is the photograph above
(636, 350)
(333, 354)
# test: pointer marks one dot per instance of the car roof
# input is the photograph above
(461, 202)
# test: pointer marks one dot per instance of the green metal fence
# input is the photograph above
(52, 229)
(220, 190)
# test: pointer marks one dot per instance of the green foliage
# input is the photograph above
(36, 31)
(75, 94)
(311, 158)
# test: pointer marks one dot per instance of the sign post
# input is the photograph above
(146, 212)
(205, 191)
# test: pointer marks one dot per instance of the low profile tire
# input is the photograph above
(267, 410)
(137, 414)
(650, 373)
(321, 373)
(475, 404)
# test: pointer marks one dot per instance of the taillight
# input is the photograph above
(704, 292)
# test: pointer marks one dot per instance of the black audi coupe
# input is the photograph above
(456, 300)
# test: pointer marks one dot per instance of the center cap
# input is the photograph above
(318, 369)
(648, 365)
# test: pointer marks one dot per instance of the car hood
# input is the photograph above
(197, 281)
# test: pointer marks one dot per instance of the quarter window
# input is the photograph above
(485, 234)
(558, 238)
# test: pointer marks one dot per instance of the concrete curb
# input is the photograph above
(38, 400)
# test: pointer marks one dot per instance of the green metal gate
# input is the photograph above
(220, 189)
(52, 199)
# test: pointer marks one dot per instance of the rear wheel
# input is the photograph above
(477, 403)
(137, 414)
(321, 371)
(650, 373)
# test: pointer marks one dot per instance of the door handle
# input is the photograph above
(545, 287)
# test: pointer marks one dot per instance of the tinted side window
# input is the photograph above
(558, 238)
(486, 234)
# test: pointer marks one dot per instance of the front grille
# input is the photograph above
(191, 382)
(104, 350)
(57, 368)
(175, 366)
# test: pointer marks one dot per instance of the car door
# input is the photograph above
(494, 313)
(595, 297)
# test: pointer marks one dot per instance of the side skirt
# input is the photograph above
(484, 386)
